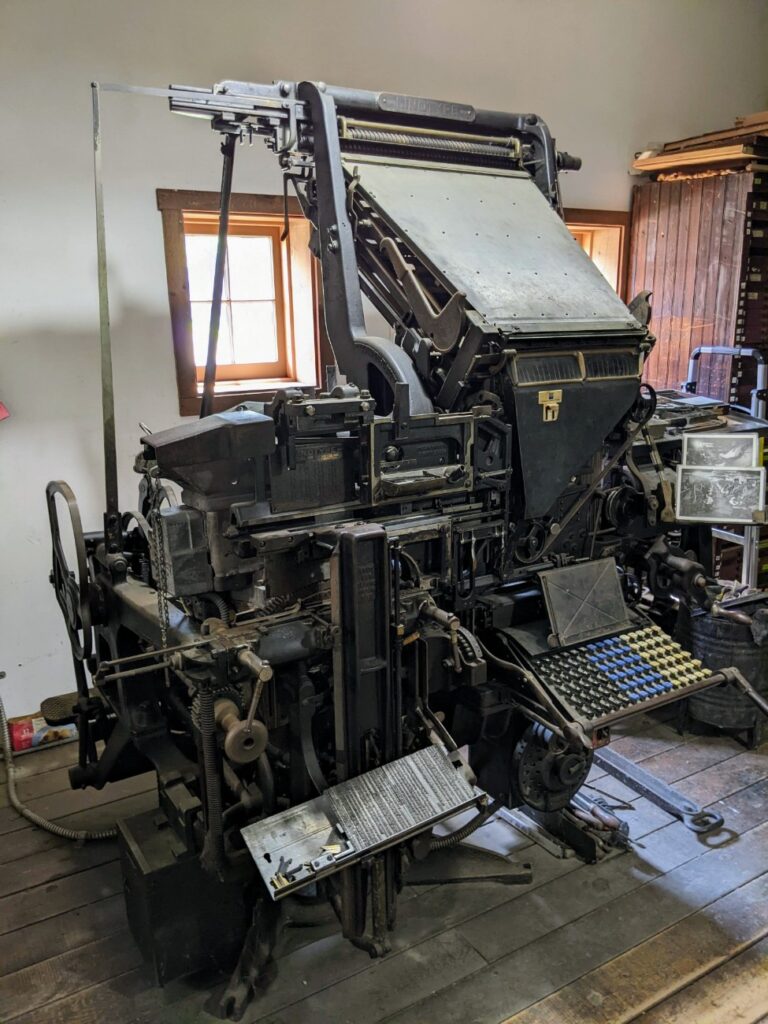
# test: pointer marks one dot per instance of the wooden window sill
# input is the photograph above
(228, 394)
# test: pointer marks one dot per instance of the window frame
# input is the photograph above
(580, 218)
(174, 205)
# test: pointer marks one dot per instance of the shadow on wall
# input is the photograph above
(49, 379)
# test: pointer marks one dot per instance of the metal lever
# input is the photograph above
(658, 792)
(209, 382)
(444, 327)
(732, 675)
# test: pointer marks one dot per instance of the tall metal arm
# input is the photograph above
(359, 355)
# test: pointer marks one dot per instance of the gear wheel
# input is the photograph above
(220, 693)
(545, 776)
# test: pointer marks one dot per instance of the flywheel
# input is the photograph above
(545, 772)
(71, 586)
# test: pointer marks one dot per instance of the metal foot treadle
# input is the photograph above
(658, 792)
(462, 864)
(59, 710)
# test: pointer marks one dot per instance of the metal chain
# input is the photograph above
(162, 577)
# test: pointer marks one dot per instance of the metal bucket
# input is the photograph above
(722, 643)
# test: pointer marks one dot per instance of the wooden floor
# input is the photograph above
(676, 930)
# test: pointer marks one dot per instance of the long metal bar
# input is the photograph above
(130, 672)
(228, 150)
(202, 642)
(652, 788)
(112, 528)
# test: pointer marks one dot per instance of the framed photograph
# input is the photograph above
(716, 495)
(727, 451)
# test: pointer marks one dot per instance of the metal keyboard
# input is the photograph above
(604, 680)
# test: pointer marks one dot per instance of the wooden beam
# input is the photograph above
(694, 158)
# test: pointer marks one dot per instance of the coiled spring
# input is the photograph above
(507, 148)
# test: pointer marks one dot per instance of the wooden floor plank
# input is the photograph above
(736, 991)
(33, 987)
(502, 930)
(558, 959)
(30, 840)
(37, 785)
(36, 762)
(121, 1000)
(672, 761)
(620, 991)
(661, 850)
(438, 938)
(27, 946)
(64, 859)
(55, 806)
(654, 739)
(107, 814)
(27, 843)
(44, 901)
(375, 993)
(719, 781)
(689, 758)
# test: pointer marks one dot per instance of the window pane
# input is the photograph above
(250, 267)
(201, 261)
(201, 318)
(255, 332)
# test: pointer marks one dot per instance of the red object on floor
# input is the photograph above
(4, 414)
(32, 731)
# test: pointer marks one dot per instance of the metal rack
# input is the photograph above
(749, 540)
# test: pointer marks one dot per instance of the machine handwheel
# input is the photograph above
(545, 776)
(72, 588)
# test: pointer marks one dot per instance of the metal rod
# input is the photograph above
(112, 526)
(130, 672)
(202, 642)
(228, 150)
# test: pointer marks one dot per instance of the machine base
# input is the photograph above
(182, 918)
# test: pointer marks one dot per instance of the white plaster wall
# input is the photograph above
(608, 75)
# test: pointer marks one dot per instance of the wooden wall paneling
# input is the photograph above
(718, 366)
(669, 282)
(638, 239)
(680, 345)
(655, 263)
(698, 327)
(710, 271)
(729, 277)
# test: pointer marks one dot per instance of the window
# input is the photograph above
(269, 336)
(604, 236)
